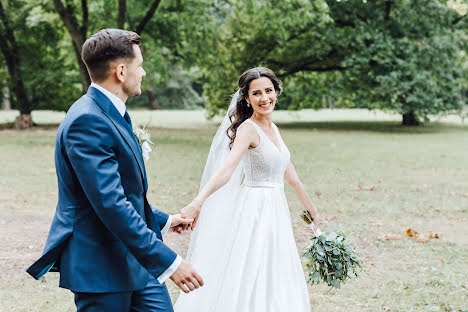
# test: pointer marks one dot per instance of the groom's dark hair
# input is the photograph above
(106, 46)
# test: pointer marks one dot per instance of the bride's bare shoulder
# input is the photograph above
(247, 131)
(246, 127)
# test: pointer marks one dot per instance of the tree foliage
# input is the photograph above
(41, 60)
(405, 56)
(396, 55)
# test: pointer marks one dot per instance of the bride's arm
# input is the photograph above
(246, 136)
(293, 179)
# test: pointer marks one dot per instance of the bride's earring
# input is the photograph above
(248, 104)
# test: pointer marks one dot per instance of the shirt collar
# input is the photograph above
(118, 103)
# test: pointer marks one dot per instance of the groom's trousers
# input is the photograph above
(153, 298)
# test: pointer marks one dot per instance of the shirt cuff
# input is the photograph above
(170, 270)
(167, 226)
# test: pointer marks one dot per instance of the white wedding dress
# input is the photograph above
(243, 245)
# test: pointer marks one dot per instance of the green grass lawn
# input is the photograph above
(364, 172)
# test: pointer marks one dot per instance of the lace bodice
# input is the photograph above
(265, 164)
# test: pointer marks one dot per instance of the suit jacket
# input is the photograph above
(105, 237)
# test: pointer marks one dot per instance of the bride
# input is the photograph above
(243, 243)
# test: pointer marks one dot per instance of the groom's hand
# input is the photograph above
(180, 224)
(186, 277)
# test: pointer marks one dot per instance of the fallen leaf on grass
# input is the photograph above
(410, 232)
(366, 188)
(388, 236)
(433, 234)
(441, 259)
(432, 207)
(318, 193)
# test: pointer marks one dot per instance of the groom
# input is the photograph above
(106, 239)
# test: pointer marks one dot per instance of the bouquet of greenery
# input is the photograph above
(330, 257)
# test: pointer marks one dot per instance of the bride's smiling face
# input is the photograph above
(262, 95)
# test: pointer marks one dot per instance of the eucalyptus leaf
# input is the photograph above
(331, 236)
(320, 250)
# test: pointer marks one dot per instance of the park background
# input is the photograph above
(373, 111)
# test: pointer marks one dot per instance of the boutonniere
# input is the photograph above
(144, 139)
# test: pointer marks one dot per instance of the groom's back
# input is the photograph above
(92, 259)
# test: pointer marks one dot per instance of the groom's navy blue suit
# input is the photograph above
(105, 237)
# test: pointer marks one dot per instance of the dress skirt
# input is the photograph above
(247, 255)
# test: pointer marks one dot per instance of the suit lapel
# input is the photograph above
(121, 125)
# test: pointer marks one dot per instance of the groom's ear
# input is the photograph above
(120, 71)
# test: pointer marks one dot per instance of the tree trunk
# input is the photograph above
(85, 79)
(23, 104)
(149, 14)
(77, 32)
(9, 50)
(23, 121)
(6, 105)
(410, 119)
(121, 14)
(154, 104)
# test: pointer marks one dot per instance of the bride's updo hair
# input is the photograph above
(243, 112)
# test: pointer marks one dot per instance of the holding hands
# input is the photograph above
(187, 218)
(192, 211)
(179, 223)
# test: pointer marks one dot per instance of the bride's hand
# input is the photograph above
(192, 211)
(315, 218)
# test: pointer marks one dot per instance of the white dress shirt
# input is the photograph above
(120, 106)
